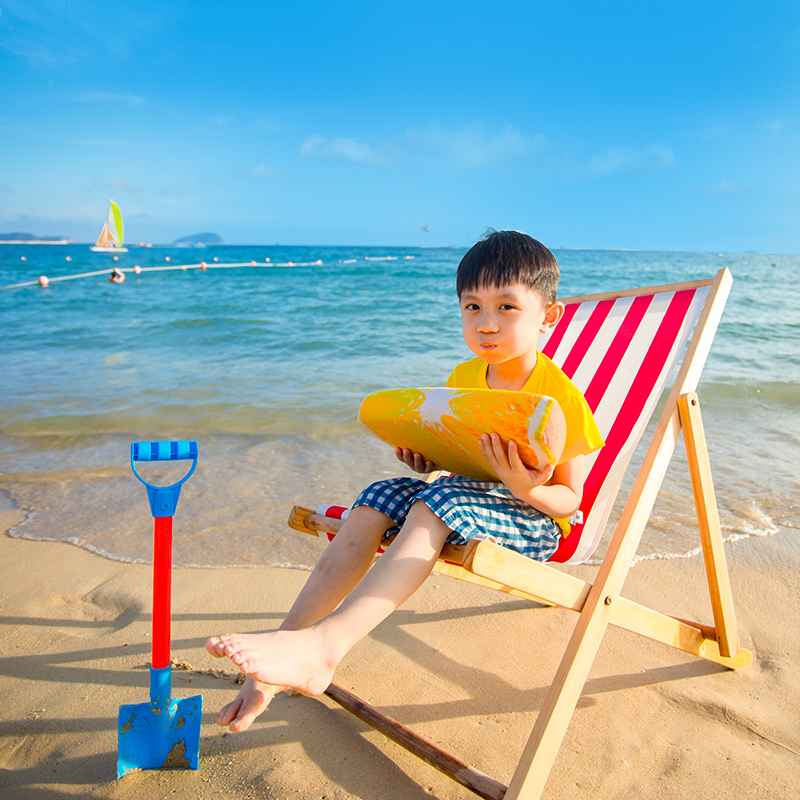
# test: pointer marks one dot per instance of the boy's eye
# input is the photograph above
(507, 307)
(471, 307)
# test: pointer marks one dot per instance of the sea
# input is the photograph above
(264, 357)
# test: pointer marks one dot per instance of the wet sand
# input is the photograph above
(464, 666)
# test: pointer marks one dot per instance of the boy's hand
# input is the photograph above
(415, 461)
(509, 467)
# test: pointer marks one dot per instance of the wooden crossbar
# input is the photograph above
(473, 779)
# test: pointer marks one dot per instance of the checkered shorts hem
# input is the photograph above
(471, 509)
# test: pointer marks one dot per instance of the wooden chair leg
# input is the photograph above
(543, 745)
(708, 521)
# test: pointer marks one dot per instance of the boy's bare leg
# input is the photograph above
(341, 566)
(305, 659)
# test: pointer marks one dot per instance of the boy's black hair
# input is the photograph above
(504, 257)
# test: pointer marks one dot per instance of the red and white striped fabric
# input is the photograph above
(620, 352)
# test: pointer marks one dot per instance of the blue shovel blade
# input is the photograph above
(155, 736)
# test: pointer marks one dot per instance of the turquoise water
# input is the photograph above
(265, 366)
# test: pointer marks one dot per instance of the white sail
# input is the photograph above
(110, 239)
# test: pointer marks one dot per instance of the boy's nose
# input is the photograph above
(487, 324)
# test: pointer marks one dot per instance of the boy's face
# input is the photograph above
(502, 323)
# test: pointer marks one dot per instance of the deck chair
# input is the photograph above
(620, 349)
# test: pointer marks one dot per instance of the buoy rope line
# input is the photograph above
(44, 281)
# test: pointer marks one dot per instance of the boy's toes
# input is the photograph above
(216, 645)
(228, 713)
(243, 721)
(245, 660)
(253, 698)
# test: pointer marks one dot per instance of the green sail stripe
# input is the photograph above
(117, 222)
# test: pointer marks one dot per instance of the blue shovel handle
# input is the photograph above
(164, 499)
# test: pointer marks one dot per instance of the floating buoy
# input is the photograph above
(116, 258)
(69, 258)
(120, 274)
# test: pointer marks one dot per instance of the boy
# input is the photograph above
(507, 287)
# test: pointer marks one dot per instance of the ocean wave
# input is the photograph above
(193, 421)
(103, 553)
(764, 393)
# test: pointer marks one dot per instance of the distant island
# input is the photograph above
(29, 238)
(199, 240)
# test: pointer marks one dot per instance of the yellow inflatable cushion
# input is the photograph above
(445, 425)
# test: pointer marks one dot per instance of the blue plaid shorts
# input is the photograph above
(471, 509)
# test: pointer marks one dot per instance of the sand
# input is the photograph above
(460, 664)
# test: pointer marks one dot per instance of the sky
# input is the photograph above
(639, 125)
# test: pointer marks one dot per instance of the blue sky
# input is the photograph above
(643, 125)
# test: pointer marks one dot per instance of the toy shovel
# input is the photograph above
(163, 733)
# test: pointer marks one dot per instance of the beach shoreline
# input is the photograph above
(651, 722)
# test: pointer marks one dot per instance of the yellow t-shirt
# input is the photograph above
(547, 379)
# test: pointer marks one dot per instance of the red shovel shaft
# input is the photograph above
(162, 590)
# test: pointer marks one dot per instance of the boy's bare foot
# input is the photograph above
(252, 699)
(301, 660)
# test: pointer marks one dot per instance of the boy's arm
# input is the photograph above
(556, 492)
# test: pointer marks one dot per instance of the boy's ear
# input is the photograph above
(552, 315)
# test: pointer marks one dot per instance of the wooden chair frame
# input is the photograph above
(600, 603)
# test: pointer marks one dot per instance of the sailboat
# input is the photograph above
(110, 239)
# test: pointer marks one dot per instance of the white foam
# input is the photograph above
(696, 551)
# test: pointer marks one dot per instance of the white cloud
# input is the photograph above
(726, 188)
(631, 159)
(265, 123)
(262, 172)
(344, 149)
(108, 97)
(474, 147)
(471, 147)
(49, 33)
(774, 127)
